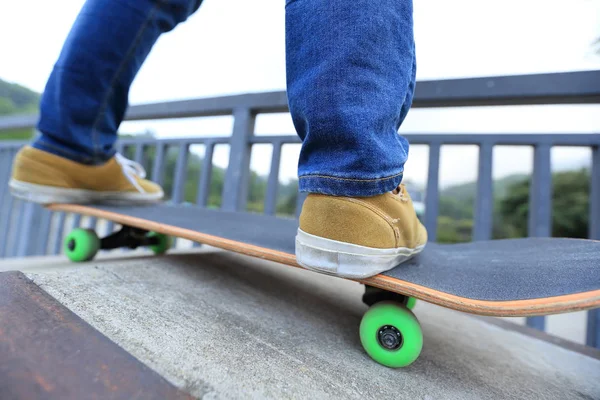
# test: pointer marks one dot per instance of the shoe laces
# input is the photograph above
(130, 167)
(400, 191)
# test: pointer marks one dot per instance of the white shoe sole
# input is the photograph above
(347, 260)
(49, 194)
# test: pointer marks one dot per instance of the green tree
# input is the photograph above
(7, 107)
(287, 197)
(454, 231)
(16, 99)
(256, 193)
(570, 205)
(513, 211)
(454, 208)
(17, 134)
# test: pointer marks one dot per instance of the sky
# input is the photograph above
(237, 46)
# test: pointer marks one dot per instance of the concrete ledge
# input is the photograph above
(219, 325)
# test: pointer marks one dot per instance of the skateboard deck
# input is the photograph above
(509, 277)
(518, 277)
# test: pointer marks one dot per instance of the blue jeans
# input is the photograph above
(350, 82)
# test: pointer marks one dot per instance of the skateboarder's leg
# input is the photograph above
(351, 77)
(85, 100)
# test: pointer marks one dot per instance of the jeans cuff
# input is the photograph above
(334, 186)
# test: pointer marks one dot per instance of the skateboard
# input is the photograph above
(508, 277)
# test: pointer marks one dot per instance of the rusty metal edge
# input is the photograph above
(48, 352)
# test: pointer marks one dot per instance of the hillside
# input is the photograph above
(466, 192)
(16, 99)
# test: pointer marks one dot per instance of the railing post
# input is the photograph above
(157, 168)
(593, 317)
(540, 206)
(595, 194)
(12, 247)
(203, 192)
(29, 234)
(540, 194)
(235, 187)
(5, 219)
(484, 203)
(180, 173)
(273, 180)
(6, 158)
(59, 232)
(45, 220)
(432, 196)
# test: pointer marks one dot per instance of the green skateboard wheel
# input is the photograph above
(391, 334)
(164, 243)
(410, 303)
(81, 244)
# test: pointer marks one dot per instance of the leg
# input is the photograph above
(351, 70)
(86, 95)
(351, 75)
(84, 102)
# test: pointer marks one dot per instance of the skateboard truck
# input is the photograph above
(82, 244)
(375, 295)
(129, 237)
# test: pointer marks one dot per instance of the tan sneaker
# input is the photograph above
(358, 237)
(42, 177)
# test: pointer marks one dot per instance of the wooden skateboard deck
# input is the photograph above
(511, 277)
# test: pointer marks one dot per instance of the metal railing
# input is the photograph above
(27, 229)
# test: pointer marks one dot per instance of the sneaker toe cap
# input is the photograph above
(150, 187)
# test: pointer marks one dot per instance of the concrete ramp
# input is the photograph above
(219, 325)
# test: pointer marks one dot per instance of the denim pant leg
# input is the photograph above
(86, 96)
(350, 78)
